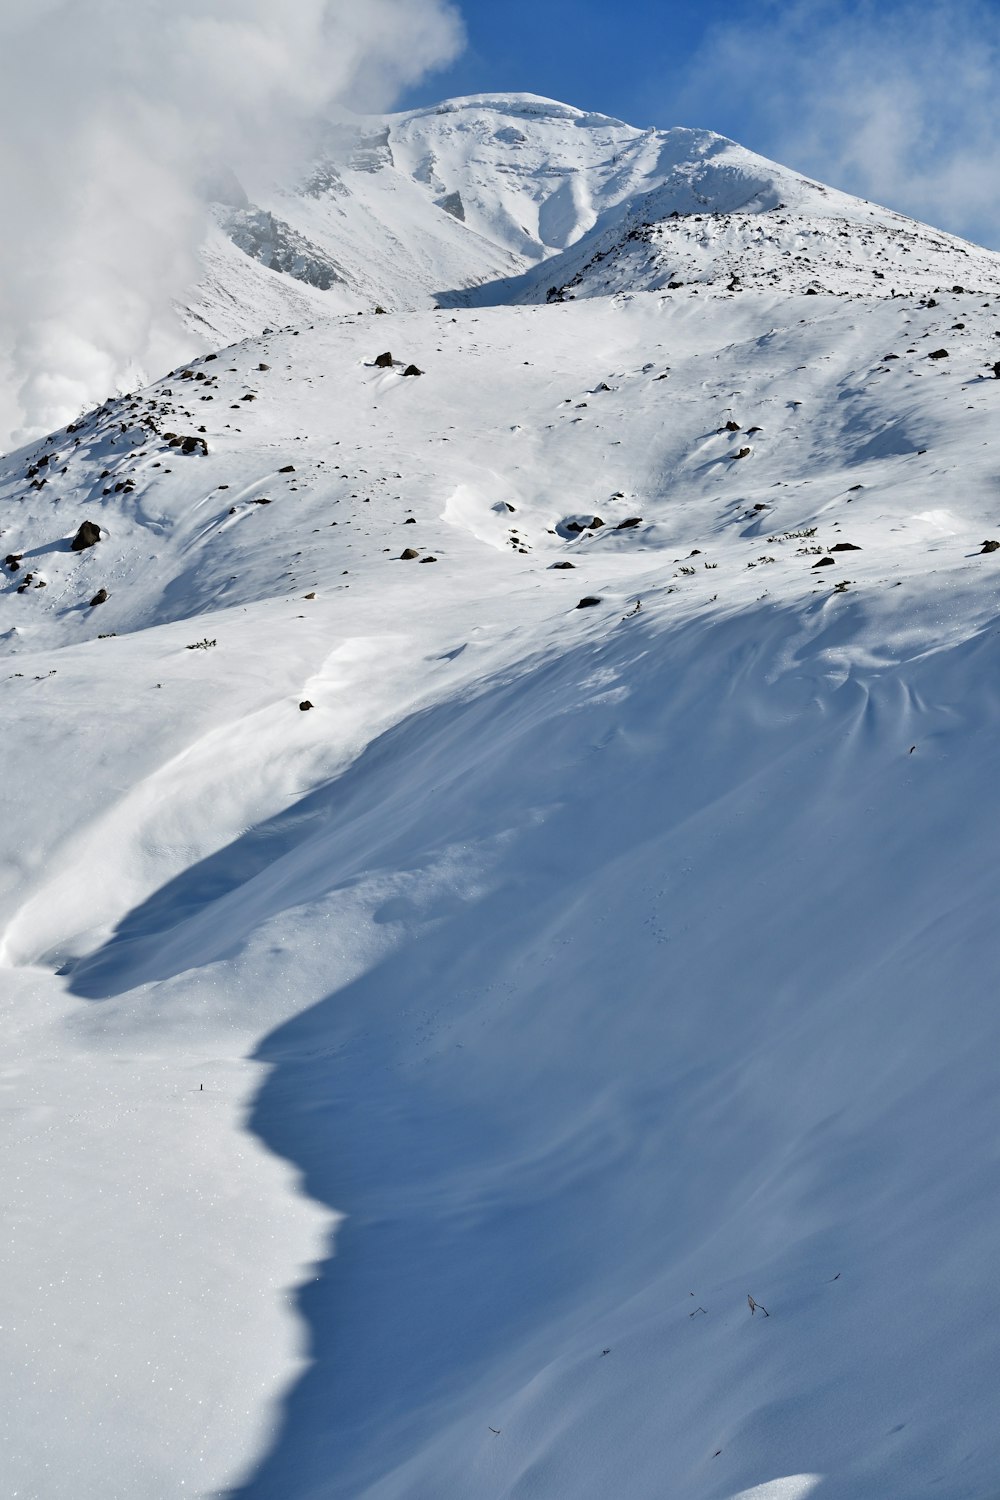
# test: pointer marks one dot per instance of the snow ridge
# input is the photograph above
(497, 865)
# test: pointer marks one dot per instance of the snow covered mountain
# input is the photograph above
(491, 200)
(498, 864)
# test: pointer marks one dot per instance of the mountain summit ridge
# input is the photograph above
(487, 199)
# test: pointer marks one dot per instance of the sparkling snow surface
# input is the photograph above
(402, 1097)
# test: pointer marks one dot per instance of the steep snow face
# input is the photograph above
(434, 1002)
(489, 200)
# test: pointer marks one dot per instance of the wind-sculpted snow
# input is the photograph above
(433, 1008)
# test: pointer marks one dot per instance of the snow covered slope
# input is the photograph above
(495, 199)
(440, 988)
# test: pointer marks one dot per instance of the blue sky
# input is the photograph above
(625, 59)
(896, 100)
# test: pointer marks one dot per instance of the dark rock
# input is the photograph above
(938, 354)
(305, 705)
(410, 521)
(428, 559)
(287, 469)
(412, 370)
(194, 445)
(743, 453)
(383, 361)
(408, 554)
(989, 547)
(587, 601)
(99, 598)
(564, 565)
(824, 562)
(629, 523)
(732, 427)
(845, 547)
(380, 310)
(88, 535)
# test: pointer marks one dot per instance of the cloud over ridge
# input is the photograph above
(113, 112)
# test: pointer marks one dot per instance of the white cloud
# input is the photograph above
(896, 100)
(111, 113)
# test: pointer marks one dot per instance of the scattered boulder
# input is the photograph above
(989, 547)
(99, 598)
(627, 524)
(305, 705)
(408, 554)
(412, 370)
(383, 361)
(428, 559)
(588, 601)
(88, 535)
(743, 453)
(996, 369)
(194, 445)
(732, 427)
(824, 562)
(938, 354)
(845, 547)
(564, 565)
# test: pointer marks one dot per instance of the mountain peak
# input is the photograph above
(494, 198)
